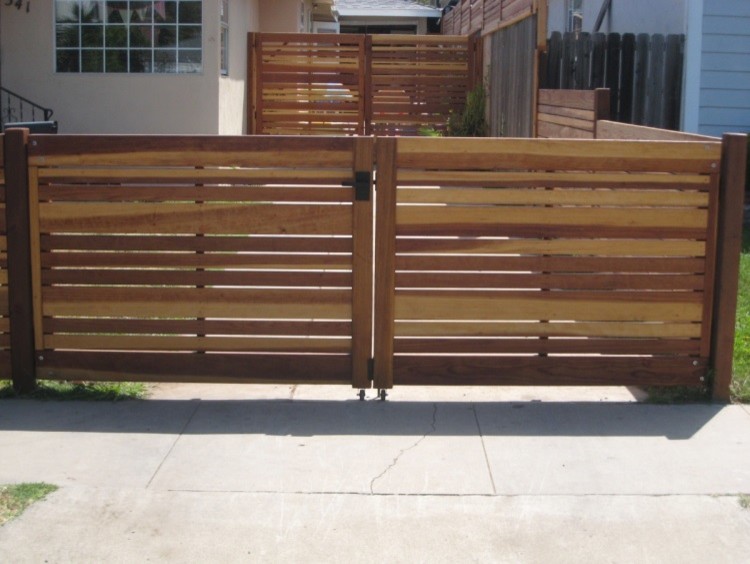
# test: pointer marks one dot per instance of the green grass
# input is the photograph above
(744, 501)
(91, 391)
(14, 499)
(741, 377)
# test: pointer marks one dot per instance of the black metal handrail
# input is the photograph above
(16, 108)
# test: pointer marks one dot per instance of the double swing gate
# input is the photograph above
(370, 262)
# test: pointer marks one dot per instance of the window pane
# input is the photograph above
(92, 60)
(116, 61)
(190, 36)
(140, 12)
(165, 60)
(67, 35)
(140, 36)
(165, 35)
(92, 36)
(190, 12)
(165, 12)
(140, 60)
(190, 61)
(224, 50)
(117, 36)
(117, 12)
(92, 11)
(66, 11)
(67, 61)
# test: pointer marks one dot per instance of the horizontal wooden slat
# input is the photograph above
(581, 306)
(549, 371)
(565, 197)
(156, 193)
(178, 367)
(606, 129)
(547, 329)
(190, 260)
(411, 218)
(550, 281)
(182, 343)
(193, 218)
(579, 247)
(551, 264)
(262, 244)
(559, 154)
(306, 278)
(125, 176)
(548, 346)
(161, 150)
(196, 302)
(581, 99)
(198, 326)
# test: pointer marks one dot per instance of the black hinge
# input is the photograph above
(371, 369)
(362, 185)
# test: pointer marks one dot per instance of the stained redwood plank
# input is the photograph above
(259, 244)
(667, 283)
(547, 346)
(550, 154)
(574, 247)
(196, 302)
(549, 371)
(306, 278)
(192, 218)
(593, 264)
(517, 306)
(175, 367)
(547, 329)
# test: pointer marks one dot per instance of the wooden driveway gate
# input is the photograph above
(250, 259)
(546, 262)
(202, 258)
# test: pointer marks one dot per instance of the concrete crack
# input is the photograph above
(404, 451)
(484, 448)
(174, 444)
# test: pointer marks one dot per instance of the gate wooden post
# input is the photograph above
(23, 367)
(362, 262)
(385, 256)
(729, 246)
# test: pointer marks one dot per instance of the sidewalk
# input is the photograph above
(310, 474)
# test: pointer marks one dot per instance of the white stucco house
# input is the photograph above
(153, 66)
(716, 88)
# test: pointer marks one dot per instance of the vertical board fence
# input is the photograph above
(4, 307)
(356, 84)
(546, 261)
(511, 87)
(642, 72)
(201, 258)
(250, 259)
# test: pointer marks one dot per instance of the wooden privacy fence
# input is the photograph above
(356, 84)
(485, 16)
(571, 113)
(498, 261)
(643, 72)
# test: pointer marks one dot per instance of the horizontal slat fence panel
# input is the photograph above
(5, 365)
(202, 258)
(484, 16)
(355, 84)
(571, 113)
(309, 83)
(515, 261)
(416, 81)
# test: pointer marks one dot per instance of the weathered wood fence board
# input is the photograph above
(542, 284)
(571, 113)
(5, 365)
(643, 73)
(250, 259)
(237, 266)
(356, 84)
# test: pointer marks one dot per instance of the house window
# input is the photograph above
(575, 16)
(128, 36)
(225, 37)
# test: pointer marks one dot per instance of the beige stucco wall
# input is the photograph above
(243, 17)
(108, 103)
(285, 16)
